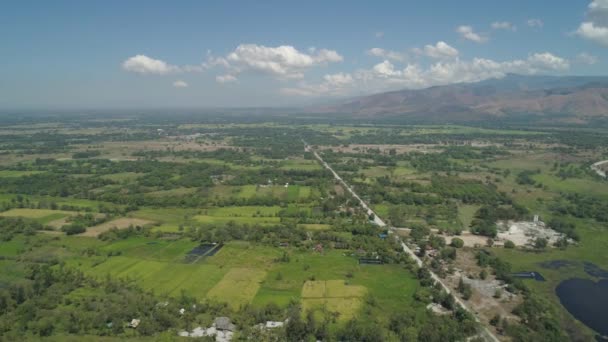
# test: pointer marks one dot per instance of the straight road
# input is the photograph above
(485, 333)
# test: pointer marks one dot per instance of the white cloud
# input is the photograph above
(387, 54)
(503, 25)
(386, 69)
(143, 64)
(588, 30)
(332, 85)
(386, 76)
(535, 22)
(283, 61)
(180, 84)
(595, 27)
(585, 58)
(225, 78)
(468, 33)
(548, 61)
(439, 51)
(339, 79)
(598, 5)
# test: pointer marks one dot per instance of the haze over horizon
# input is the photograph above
(71, 54)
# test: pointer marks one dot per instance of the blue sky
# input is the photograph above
(89, 54)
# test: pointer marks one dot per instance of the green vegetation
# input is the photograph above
(98, 227)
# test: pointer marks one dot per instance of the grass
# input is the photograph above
(573, 185)
(594, 238)
(222, 220)
(300, 164)
(333, 295)
(242, 211)
(165, 215)
(13, 247)
(152, 249)
(238, 286)
(314, 226)
(391, 285)
(122, 176)
(43, 216)
(466, 212)
(120, 223)
(13, 174)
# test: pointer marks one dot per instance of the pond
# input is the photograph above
(529, 275)
(586, 300)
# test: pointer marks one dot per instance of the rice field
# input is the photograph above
(238, 286)
(334, 296)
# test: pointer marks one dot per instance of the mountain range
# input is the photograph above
(555, 99)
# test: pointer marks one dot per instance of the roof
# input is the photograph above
(224, 323)
(134, 323)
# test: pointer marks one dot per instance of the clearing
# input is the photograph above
(120, 223)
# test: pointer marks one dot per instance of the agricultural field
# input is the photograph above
(241, 221)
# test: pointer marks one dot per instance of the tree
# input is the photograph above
(540, 243)
(467, 292)
(495, 320)
(295, 329)
(457, 242)
(509, 244)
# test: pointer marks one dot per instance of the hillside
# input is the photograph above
(572, 99)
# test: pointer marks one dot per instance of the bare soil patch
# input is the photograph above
(120, 223)
(483, 300)
(469, 239)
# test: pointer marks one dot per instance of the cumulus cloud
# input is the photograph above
(283, 61)
(596, 33)
(468, 33)
(503, 25)
(439, 50)
(585, 58)
(387, 54)
(535, 22)
(143, 64)
(595, 27)
(180, 84)
(385, 75)
(548, 61)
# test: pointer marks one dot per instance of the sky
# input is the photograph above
(131, 54)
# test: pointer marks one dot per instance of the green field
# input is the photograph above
(206, 219)
(238, 286)
(43, 216)
(466, 214)
(11, 174)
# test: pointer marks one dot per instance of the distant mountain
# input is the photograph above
(558, 99)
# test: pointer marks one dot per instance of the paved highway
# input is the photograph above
(485, 333)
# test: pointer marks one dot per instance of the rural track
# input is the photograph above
(485, 333)
(596, 167)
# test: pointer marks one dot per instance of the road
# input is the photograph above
(596, 167)
(485, 333)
